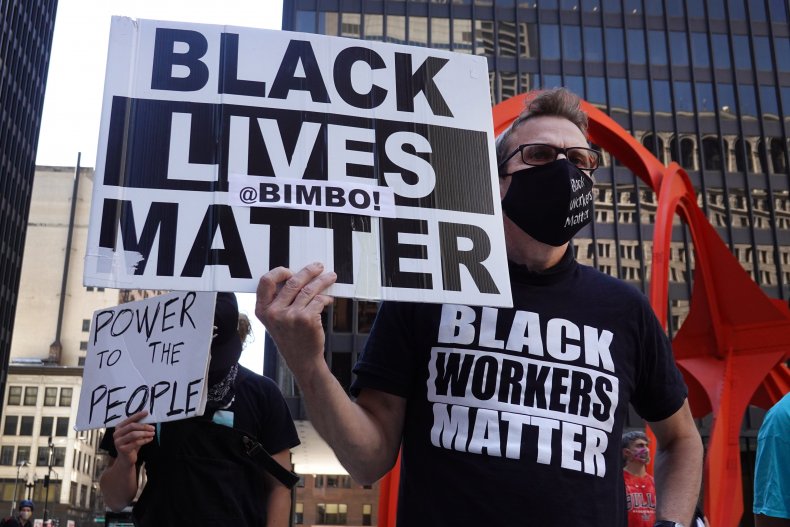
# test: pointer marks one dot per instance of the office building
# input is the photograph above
(26, 29)
(50, 340)
(705, 83)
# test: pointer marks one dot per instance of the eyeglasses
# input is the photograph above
(536, 154)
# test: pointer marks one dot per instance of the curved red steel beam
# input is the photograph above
(734, 342)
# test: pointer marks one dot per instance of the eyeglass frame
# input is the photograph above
(557, 152)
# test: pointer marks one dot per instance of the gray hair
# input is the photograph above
(557, 102)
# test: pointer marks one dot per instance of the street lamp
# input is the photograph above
(46, 478)
(19, 466)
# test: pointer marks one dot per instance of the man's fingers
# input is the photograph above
(314, 289)
(134, 418)
(267, 288)
(294, 289)
(294, 286)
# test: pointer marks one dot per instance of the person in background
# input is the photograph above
(640, 490)
(201, 470)
(772, 468)
(24, 516)
(505, 416)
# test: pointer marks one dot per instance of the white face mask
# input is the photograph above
(25, 515)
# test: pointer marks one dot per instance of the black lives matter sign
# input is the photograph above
(226, 152)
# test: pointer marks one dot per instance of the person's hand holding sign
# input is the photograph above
(119, 480)
(290, 307)
(130, 435)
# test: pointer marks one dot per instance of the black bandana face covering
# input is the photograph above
(550, 202)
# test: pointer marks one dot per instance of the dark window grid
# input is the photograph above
(22, 454)
(62, 426)
(26, 425)
(45, 429)
(6, 455)
(11, 424)
(59, 456)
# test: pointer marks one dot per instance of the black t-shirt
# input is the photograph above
(197, 470)
(514, 416)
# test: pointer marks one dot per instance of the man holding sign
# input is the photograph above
(214, 468)
(505, 416)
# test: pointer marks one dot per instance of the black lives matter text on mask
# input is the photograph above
(427, 166)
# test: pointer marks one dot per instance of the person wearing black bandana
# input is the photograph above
(505, 416)
(198, 470)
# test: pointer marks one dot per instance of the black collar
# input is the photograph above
(521, 274)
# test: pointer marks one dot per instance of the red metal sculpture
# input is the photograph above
(733, 345)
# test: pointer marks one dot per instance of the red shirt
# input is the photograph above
(640, 500)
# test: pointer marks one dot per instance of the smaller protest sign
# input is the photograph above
(148, 355)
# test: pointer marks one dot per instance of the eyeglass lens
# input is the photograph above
(541, 154)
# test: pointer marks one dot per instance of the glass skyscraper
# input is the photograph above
(25, 42)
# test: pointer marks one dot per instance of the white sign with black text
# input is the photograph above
(226, 151)
(147, 355)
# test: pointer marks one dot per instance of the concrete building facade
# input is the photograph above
(50, 340)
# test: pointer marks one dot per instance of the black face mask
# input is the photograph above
(550, 202)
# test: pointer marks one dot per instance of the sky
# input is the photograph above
(75, 83)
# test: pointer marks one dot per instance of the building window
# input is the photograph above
(62, 427)
(80, 361)
(42, 456)
(50, 396)
(14, 395)
(86, 324)
(9, 428)
(59, 456)
(342, 313)
(332, 513)
(366, 313)
(743, 156)
(338, 482)
(46, 426)
(655, 145)
(7, 455)
(22, 454)
(31, 395)
(298, 513)
(89, 288)
(712, 152)
(367, 514)
(777, 156)
(319, 482)
(26, 425)
(83, 345)
(65, 396)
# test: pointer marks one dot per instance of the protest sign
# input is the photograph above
(147, 355)
(226, 151)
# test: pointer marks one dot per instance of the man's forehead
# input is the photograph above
(552, 130)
